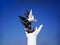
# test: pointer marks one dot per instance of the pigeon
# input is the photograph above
(31, 17)
(26, 21)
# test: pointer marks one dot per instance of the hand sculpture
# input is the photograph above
(31, 37)
(31, 34)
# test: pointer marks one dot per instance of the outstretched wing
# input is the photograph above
(25, 25)
(22, 18)
(31, 17)
(30, 14)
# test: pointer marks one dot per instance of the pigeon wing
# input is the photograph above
(25, 25)
(22, 18)
(30, 14)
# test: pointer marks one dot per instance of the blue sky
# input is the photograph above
(46, 12)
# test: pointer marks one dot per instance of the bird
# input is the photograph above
(31, 18)
(27, 21)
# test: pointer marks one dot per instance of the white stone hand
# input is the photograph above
(31, 37)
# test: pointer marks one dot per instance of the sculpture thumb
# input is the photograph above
(40, 27)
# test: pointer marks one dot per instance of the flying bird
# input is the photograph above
(26, 21)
